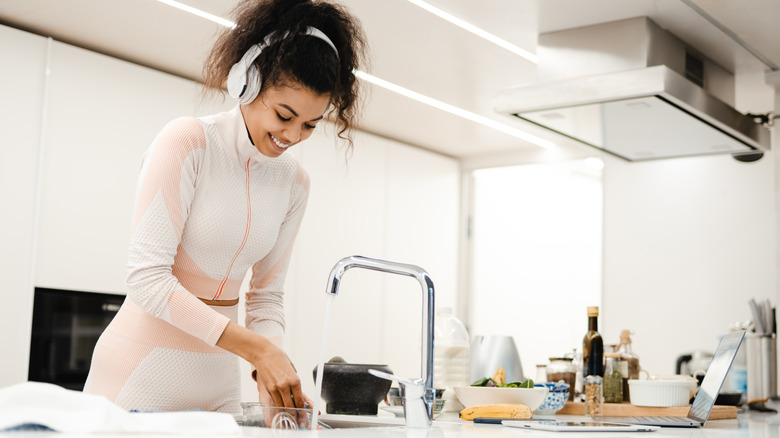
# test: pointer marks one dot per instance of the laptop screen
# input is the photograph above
(716, 374)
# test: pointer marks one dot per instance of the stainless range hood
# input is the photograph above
(635, 91)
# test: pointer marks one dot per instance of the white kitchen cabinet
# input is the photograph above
(388, 201)
(21, 100)
(102, 114)
(345, 216)
(422, 229)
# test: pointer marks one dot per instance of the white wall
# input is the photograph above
(686, 243)
(21, 100)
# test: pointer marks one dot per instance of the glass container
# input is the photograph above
(562, 368)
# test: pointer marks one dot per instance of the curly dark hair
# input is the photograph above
(296, 57)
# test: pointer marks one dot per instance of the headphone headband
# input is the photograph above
(313, 31)
(244, 79)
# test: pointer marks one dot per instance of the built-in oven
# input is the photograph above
(66, 327)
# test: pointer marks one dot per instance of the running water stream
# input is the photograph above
(321, 364)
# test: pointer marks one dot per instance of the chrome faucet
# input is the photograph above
(417, 414)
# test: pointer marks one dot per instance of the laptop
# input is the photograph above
(579, 426)
(708, 391)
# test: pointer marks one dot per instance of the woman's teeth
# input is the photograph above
(279, 143)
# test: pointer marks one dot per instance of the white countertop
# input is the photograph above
(448, 425)
(748, 424)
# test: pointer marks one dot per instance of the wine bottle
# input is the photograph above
(593, 347)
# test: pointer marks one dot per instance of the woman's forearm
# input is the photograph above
(243, 342)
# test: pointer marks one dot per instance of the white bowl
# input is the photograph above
(483, 395)
(659, 393)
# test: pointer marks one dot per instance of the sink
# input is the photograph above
(335, 421)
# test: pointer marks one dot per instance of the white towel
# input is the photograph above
(69, 411)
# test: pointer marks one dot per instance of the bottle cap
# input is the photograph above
(569, 359)
(593, 311)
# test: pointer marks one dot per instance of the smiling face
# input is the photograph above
(283, 116)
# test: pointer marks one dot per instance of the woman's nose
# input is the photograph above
(292, 134)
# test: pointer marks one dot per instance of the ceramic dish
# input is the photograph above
(554, 400)
(659, 393)
(483, 395)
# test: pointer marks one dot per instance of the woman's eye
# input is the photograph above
(282, 118)
(308, 126)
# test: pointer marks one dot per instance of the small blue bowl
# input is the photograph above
(557, 395)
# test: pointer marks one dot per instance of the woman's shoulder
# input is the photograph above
(184, 130)
(301, 175)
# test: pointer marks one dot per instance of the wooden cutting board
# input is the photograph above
(628, 410)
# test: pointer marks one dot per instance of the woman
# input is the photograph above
(218, 195)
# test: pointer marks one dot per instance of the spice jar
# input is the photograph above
(562, 368)
(613, 379)
(629, 362)
(594, 396)
(541, 373)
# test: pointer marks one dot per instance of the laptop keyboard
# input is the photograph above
(661, 419)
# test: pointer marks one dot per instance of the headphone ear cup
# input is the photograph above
(236, 82)
(243, 79)
(254, 82)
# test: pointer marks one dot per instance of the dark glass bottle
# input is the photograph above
(593, 347)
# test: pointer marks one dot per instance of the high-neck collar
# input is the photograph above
(244, 146)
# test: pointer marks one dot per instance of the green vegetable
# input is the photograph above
(482, 382)
(487, 381)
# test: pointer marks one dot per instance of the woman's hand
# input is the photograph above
(277, 380)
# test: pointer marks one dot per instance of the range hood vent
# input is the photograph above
(635, 91)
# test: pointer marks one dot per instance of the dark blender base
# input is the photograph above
(349, 389)
(346, 408)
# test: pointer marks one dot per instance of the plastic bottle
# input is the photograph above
(450, 356)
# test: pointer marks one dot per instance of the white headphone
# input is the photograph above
(244, 81)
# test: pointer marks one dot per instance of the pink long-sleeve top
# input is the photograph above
(209, 206)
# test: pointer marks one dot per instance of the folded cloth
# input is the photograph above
(65, 410)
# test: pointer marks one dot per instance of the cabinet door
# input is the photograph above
(422, 229)
(345, 216)
(21, 97)
(102, 114)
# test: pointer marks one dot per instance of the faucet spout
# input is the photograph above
(334, 280)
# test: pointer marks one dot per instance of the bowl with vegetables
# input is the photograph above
(495, 390)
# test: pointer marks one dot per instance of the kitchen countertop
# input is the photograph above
(448, 425)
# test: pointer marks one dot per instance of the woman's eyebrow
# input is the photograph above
(284, 105)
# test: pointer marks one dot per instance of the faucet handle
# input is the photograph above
(412, 388)
(416, 410)
(400, 380)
